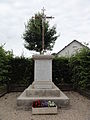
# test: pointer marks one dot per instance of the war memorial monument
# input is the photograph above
(43, 87)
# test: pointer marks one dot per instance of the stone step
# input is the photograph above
(35, 92)
(61, 101)
(43, 92)
(42, 84)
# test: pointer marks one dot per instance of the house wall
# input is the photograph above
(70, 49)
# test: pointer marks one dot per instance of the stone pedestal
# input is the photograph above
(42, 88)
(43, 71)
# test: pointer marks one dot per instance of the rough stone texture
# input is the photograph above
(79, 109)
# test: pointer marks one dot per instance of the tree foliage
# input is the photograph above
(33, 34)
(80, 65)
(4, 58)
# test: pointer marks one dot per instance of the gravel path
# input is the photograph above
(79, 109)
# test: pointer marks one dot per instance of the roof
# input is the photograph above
(71, 43)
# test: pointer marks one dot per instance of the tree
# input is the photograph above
(4, 58)
(33, 34)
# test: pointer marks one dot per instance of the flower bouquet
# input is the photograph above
(44, 107)
(43, 103)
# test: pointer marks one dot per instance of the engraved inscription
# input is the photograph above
(43, 70)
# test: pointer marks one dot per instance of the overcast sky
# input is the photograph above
(72, 20)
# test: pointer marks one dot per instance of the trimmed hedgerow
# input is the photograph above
(20, 71)
(61, 71)
(4, 59)
(80, 66)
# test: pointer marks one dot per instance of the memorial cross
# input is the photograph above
(43, 17)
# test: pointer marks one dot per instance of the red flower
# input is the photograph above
(36, 103)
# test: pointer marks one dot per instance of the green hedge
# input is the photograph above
(4, 59)
(20, 70)
(61, 71)
(80, 66)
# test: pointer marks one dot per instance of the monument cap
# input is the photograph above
(42, 57)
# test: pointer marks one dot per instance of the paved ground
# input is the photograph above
(79, 109)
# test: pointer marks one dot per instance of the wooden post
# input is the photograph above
(44, 17)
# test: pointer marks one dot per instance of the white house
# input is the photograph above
(71, 49)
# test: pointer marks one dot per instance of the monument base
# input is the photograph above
(42, 88)
(32, 94)
(32, 91)
(42, 85)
